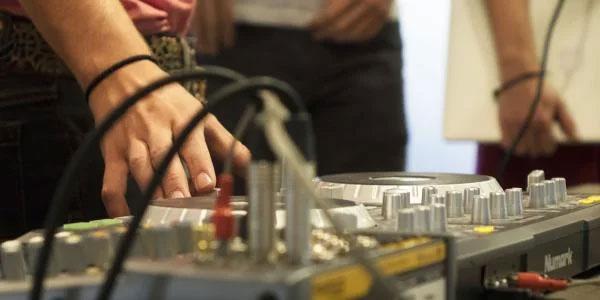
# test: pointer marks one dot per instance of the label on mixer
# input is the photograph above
(563, 257)
(354, 281)
(558, 261)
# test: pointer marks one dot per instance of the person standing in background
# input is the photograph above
(343, 56)
(539, 149)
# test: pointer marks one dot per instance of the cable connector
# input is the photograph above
(537, 282)
(222, 217)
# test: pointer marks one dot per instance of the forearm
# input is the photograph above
(513, 37)
(89, 35)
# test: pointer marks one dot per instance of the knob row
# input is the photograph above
(548, 193)
(75, 252)
(422, 218)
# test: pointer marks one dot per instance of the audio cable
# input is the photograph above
(538, 92)
(542, 283)
(222, 216)
(255, 84)
(252, 84)
(60, 199)
(284, 147)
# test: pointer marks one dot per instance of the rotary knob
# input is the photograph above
(160, 241)
(32, 249)
(60, 260)
(439, 222)
(438, 199)
(406, 220)
(499, 205)
(70, 253)
(393, 200)
(454, 204)
(116, 236)
(12, 260)
(98, 250)
(550, 186)
(560, 185)
(535, 176)
(423, 218)
(481, 210)
(185, 236)
(426, 193)
(468, 195)
(514, 200)
(537, 195)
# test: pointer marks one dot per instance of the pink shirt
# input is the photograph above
(150, 16)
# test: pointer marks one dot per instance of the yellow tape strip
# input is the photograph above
(354, 281)
(590, 200)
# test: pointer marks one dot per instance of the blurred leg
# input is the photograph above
(359, 109)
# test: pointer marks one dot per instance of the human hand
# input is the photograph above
(513, 107)
(348, 21)
(214, 25)
(139, 141)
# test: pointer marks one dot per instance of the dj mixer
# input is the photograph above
(436, 236)
(183, 261)
(498, 232)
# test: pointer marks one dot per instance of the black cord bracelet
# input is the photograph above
(110, 70)
(516, 80)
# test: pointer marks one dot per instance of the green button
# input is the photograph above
(103, 223)
(79, 226)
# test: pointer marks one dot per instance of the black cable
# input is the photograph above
(60, 200)
(515, 81)
(113, 68)
(227, 92)
(538, 92)
(238, 133)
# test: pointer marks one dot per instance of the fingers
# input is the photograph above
(174, 184)
(115, 184)
(566, 122)
(367, 28)
(331, 12)
(350, 21)
(546, 142)
(542, 141)
(197, 158)
(525, 145)
(531, 143)
(220, 141)
(340, 27)
(140, 166)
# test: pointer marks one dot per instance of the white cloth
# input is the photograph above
(283, 13)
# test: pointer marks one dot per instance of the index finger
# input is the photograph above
(567, 124)
(114, 185)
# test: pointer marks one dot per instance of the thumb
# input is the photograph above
(566, 122)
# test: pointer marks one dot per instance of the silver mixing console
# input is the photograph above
(368, 188)
(406, 218)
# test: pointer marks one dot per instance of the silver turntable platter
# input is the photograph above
(368, 188)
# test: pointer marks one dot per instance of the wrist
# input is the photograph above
(121, 84)
(511, 66)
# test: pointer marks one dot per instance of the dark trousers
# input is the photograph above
(353, 91)
(42, 122)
